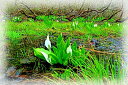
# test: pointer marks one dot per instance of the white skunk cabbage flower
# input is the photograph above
(46, 57)
(48, 43)
(76, 23)
(95, 25)
(109, 24)
(69, 49)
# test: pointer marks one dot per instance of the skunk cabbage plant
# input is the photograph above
(59, 54)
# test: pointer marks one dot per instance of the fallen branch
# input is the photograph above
(111, 16)
(28, 16)
(102, 52)
(29, 9)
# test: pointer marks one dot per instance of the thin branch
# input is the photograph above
(111, 15)
(103, 52)
(29, 9)
(119, 19)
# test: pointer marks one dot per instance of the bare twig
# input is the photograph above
(29, 9)
(28, 16)
(112, 15)
(103, 52)
(119, 19)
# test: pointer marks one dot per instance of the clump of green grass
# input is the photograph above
(91, 68)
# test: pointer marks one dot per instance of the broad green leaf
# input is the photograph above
(37, 53)
(45, 55)
(48, 59)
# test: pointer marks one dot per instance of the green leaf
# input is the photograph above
(66, 59)
(57, 53)
(67, 43)
(37, 53)
(45, 55)
(74, 46)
